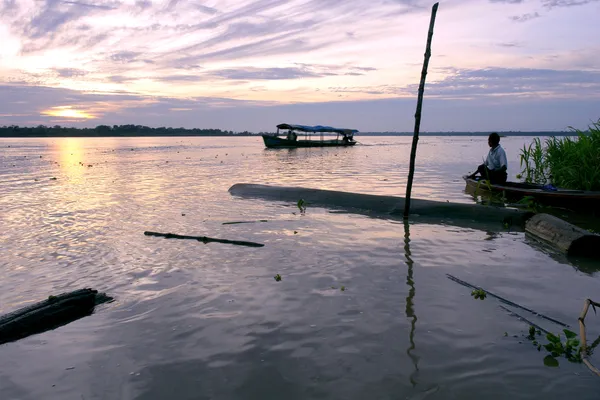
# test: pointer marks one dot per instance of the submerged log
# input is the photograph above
(49, 314)
(421, 210)
(567, 237)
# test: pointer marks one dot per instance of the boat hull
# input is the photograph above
(566, 198)
(275, 142)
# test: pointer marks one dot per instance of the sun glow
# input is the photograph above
(67, 112)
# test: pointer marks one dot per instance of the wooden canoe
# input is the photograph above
(566, 198)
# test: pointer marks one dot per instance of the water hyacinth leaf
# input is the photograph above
(550, 361)
(553, 338)
(569, 334)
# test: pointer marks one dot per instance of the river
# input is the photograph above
(209, 321)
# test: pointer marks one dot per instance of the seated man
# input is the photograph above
(494, 169)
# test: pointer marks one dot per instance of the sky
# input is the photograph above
(496, 65)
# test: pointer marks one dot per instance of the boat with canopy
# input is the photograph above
(308, 137)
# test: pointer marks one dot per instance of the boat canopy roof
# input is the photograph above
(317, 128)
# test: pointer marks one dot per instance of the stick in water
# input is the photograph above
(203, 239)
(524, 319)
(502, 299)
(244, 222)
(584, 349)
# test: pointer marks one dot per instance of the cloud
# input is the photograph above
(124, 56)
(397, 114)
(509, 44)
(565, 3)
(143, 4)
(278, 73)
(206, 9)
(517, 82)
(525, 17)
(100, 6)
(265, 73)
(493, 82)
(507, 1)
(70, 72)
(53, 14)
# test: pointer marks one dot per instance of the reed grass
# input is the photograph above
(566, 162)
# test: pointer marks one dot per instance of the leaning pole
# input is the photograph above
(413, 151)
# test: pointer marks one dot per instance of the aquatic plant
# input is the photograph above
(567, 162)
(302, 205)
(570, 348)
(479, 294)
(277, 277)
(530, 203)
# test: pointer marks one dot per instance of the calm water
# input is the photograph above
(196, 321)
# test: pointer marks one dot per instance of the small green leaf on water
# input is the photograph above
(302, 205)
(479, 294)
(569, 334)
(277, 277)
(550, 361)
(51, 298)
(343, 288)
(505, 334)
(531, 331)
(553, 338)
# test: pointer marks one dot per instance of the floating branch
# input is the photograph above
(524, 319)
(203, 239)
(244, 222)
(49, 314)
(584, 351)
(502, 299)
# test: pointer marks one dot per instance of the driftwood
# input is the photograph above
(244, 222)
(505, 301)
(203, 239)
(49, 314)
(584, 348)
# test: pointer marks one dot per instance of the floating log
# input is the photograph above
(49, 314)
(203, 239)
(566, 237)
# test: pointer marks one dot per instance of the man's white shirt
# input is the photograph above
(496, 158)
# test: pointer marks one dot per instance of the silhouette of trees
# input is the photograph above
(110, 131)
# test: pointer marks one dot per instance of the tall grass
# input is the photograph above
(570, 163)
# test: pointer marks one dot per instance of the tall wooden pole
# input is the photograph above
(413, 152)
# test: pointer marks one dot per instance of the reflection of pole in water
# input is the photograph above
(410, 311)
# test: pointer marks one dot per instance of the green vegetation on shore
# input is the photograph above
(566, 162)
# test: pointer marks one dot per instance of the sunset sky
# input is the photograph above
(249, 65)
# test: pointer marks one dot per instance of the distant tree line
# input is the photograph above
(110, 131)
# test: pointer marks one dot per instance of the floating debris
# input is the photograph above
(204, 239)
